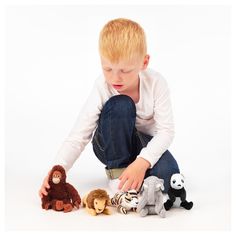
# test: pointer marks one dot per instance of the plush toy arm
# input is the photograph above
(159, 202)
(74, 195)
(142, 203)
(183, 196)
(171, 196)
(45, 202)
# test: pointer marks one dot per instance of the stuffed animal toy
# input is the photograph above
(125, 201)
(151, 200)
(61, 196)
(96, 202)
(177, 190)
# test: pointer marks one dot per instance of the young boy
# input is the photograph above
(128, 115)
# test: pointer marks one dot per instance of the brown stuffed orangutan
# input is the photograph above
(61, 196)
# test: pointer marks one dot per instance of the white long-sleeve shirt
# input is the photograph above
(153, 116)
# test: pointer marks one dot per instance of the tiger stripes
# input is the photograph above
(125, 201)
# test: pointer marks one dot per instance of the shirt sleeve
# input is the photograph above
(164, 124)
(83, 129)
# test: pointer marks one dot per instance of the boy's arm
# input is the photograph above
(164, 123)
(133, 176)
(83, 129)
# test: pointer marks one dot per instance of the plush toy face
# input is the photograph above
(177, 181)
(56, 177)
(99, 205)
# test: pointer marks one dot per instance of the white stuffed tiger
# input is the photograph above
(125, 201)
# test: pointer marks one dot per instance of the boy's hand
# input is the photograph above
(133, 175)
(44, 187)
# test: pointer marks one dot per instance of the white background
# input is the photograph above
(52, 61)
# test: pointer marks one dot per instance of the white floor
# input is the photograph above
(47, 87)
(211, 209)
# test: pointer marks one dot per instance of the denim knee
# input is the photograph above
(120, 106)
(164, 169)
(113, 139)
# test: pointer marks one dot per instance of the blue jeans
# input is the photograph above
(117, 142)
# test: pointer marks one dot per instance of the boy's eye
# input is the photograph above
(107, 69)
(126, 71)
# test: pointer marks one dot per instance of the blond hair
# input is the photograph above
(122, 39)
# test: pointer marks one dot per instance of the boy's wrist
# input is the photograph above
(144, 163)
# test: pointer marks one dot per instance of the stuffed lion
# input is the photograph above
(96, 202)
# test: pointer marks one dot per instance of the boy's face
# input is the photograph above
(124, 75)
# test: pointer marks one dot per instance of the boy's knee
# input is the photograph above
(164, 169)
(121, 105)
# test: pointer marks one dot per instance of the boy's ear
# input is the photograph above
(145, 62)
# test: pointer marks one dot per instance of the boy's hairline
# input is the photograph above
(117, 59)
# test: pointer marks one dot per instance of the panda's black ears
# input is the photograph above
(179, 174)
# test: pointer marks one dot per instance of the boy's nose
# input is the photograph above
(116, 79)
(116, 74)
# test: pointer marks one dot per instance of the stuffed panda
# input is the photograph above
(177, 190)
